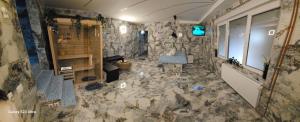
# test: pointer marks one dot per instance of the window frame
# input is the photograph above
(246, 33)
(250, 34)
(225, 41)
(249, 14)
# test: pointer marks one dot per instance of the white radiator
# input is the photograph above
(246, 87)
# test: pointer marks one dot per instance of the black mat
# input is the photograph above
(93, 86)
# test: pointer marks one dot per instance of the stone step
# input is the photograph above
(36, 70)
(68, 97)
(43, 80)
(54, 90)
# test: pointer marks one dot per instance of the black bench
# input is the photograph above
(112, 72)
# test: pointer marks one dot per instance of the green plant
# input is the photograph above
(234, 61)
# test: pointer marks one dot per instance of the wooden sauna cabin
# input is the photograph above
(77, 52)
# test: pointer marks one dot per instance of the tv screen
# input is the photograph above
(198, 30)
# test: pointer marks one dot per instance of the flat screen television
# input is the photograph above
(198, 30)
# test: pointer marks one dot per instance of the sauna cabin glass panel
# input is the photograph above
(237, 29)
(221, 43)
(263, 29)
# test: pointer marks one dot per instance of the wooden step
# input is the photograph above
(70, 46)
(82, 67)
(74, 51)
(64, 57)
(74, 43)
(69, 78)
(65, 71)
(67, 74)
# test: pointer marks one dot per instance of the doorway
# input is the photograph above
(143, 44)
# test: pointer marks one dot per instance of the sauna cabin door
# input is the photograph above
(77, 51)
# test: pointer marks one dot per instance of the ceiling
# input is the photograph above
(140, 11)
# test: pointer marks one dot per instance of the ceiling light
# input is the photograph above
(123, 9)
(142, 32)
(123, 29)
(127, 18)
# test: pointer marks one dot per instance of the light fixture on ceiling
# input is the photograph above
(123, 29)
(142, 32)
(128, 18)
(123, 9)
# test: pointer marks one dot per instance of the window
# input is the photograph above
(262, 32)
(248, 36)
(221, 43)
(237, 29)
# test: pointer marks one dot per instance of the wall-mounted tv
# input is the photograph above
(198, 30)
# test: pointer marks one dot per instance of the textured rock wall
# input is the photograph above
(161, 41)
(15, 73)
(35, 14)
(115, 43)
(285, 103)
(11, 44)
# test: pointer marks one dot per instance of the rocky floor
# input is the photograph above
(146, 94)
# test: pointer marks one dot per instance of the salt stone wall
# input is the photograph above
(15, 73)
(161, 41)
(115, 43)
(285, 102)
(35, 14)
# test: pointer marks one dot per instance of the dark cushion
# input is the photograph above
(113, 59)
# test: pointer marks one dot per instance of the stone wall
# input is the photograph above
(35, 14)
(285, 103)
(114, 42)
(15, 73)
(161, 41)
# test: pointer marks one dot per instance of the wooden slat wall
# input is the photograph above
(97, 47)
(101, 51)
(90, 38)
(53, 49)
